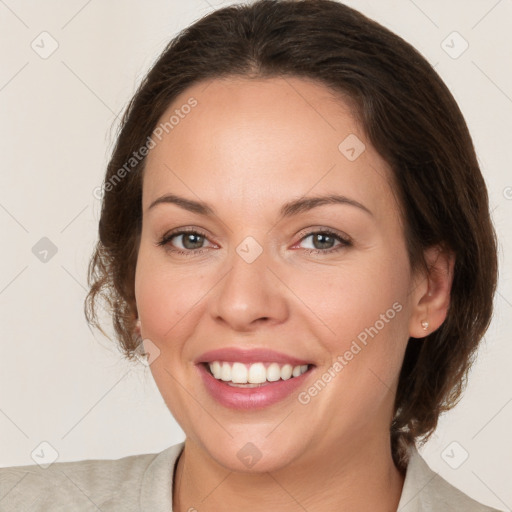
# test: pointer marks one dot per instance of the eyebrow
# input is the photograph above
(287, 210)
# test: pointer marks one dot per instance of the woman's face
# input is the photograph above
(294, 255)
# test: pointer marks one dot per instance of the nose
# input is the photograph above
(249, 295)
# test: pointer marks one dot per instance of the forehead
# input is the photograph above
(284, 137)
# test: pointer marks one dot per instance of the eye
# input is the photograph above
(190, 242)
(324, 241)
(184, 241)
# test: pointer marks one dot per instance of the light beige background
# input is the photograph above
(62, 385)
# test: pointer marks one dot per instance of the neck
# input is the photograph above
(359, 477)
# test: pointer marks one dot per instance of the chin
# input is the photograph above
(245, 453)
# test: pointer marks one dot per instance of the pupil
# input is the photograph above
(322, 241)
(195, 241)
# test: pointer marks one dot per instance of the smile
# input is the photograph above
(248, 379)
(251, 375)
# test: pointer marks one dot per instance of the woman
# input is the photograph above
(296, 231)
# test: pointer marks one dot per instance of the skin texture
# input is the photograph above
(248, 147)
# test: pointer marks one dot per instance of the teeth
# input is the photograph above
(255, 373)
(225, 372)
(273, 372)
(287, 370)
(238, 373)
(216, 369)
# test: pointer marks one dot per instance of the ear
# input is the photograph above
(431, 294)
(136, 327)
(135, 320)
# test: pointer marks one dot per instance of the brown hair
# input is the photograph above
(408, 115)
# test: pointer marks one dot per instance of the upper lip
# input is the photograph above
(253, 355)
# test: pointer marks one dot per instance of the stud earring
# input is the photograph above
(424, 325)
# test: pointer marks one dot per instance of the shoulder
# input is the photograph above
(426, 491)
(81, 485)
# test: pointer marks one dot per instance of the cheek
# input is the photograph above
(363, 313)
(362, 305)
(165, 297)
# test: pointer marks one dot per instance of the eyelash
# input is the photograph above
(166, 239)
(344, 241)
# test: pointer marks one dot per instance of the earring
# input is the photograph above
(424, 324)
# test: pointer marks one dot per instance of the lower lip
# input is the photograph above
(250, 398)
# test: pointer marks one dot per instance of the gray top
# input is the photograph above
(143, 483)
